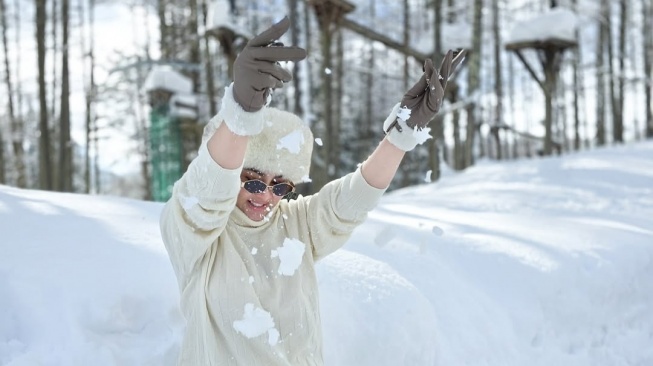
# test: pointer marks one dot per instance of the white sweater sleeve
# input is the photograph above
(332, 214)
(197, 212)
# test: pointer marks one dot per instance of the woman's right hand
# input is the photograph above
(257, 70)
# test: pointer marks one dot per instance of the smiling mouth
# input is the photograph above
(258, 206)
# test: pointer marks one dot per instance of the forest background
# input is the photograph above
(541, 77)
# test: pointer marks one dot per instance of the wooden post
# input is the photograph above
(550, 55)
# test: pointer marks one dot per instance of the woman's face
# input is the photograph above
(257, 205)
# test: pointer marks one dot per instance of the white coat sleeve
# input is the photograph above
(197, 212)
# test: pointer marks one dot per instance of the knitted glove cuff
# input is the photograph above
(408, 138)
(237, 119)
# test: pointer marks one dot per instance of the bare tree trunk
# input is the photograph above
(614, 107)
(55, 80)
(163, 29)
(337, 113)
(577, 86)
(19, 130)
(498, 78)
(474, 81)
(97, 173)
(327, 93)
(527, 88)
(192, 32)
(511, 102)
(143, 131)
(600, 75)
(87, 113)
(65, 143)
(458, 161)
(647, 10)
(406, 41)
(16, 125)
(550, 82)
(407, 167)
(45, 166)
(208, 64)
(17, 44)
(618, 103)
(90, 94)
(3, 178)
(294, 38)
(449, 94)
(437, 127)
(324, 173)
(562, 117)
(367, 125)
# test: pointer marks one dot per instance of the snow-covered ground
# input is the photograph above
(537, 262)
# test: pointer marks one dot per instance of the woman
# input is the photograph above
(245, 258)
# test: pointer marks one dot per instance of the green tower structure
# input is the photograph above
(165, 152)
(165, 88)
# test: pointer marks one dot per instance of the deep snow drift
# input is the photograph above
(537, 262)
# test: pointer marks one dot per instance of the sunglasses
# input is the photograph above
(258, 186)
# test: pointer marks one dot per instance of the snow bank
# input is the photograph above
(538, 262)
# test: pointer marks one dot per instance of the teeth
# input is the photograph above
(257, 204)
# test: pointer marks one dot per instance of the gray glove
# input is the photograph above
(424, 99)
(257, 70)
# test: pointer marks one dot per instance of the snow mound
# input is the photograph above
(538, 262)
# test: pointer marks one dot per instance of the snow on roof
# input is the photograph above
(557, 23)
(164, 77)
(219, 17)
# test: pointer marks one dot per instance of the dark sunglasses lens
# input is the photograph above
(282, 189)
(255, 186)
